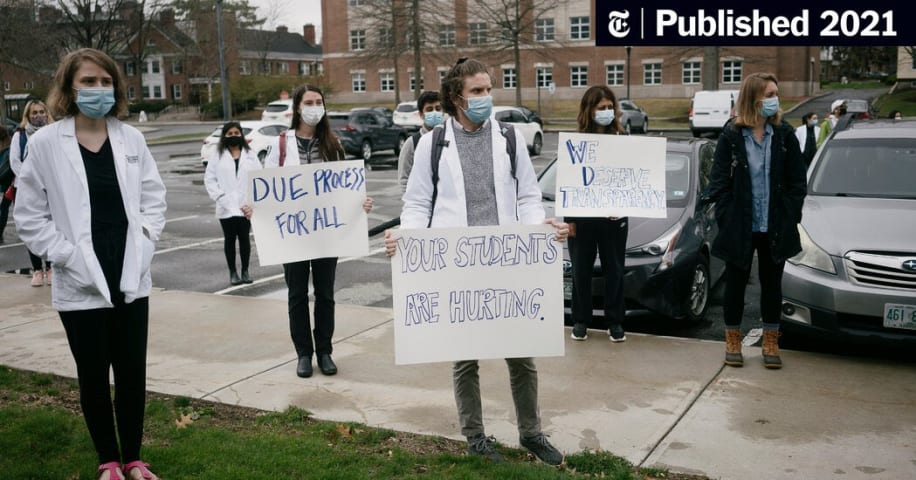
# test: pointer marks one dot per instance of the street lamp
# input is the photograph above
(224, 82)
(628, 69)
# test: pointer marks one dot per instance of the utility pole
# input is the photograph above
(628, 70)
(224, 82)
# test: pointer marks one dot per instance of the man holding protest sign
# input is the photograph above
(478, 184)
(309, 140)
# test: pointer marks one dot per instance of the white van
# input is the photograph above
(279, 111)
(710, 109)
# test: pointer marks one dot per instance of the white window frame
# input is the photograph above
(579, 30)
(386, 81)
(615, 72)
(578, 75)
(131, 92)
(244, 67)
(447, 35)
(157, 92)
(176, 91)
(177, 66)
(385, 37)
(130, 68)
(510, 76)
(358, 81)
(543, 75)
(691, 72)
(545, 30)
(477, 33)
(357, 40)
(411, 80)
(652, 73)
(731, 71)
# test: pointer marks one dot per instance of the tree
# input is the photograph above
(245, 14)
(98, 24)
(24, 45)
(141, 23)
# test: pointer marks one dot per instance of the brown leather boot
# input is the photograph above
(733, 355)
(771, 349)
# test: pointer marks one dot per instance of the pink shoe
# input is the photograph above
(137, 470)
(38, 278)
(48, 277)
(113, 469)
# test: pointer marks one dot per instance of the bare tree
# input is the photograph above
(245, 14)
(24, 45)
(141, 22)
(94, 24)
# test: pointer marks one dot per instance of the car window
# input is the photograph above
(338, 121)
(627, 106)
(369, 119)
(277, 107)
(518, 117)
(504, 116)
(875, 167)
(407, 107)
(706, 152)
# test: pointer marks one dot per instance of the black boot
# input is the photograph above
(234, 278)
(245, 277)
(304, 366)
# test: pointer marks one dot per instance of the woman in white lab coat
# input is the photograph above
(92, 202)
(226, 180)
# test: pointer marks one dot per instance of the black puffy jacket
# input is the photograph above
(730, 188)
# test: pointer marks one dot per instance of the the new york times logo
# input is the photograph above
(787, 24)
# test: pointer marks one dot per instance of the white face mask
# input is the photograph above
(312, 115)
(604, 117)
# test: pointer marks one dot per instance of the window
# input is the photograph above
(305, 69)
(477, 33)
(731, 71)
(157, 91)
(543, 29)
(358, 80)
(386, 81)
(690, 73)
(29, 84)
(244, 67)
(578, 76)
(447, 36)
(385, 37)
(153, 66)
(357, 3)
(544, 76)
(614, 74)
(357, 40)
(283, 67)
(6, 85)
(652, 74)
(319, 69)
(578, 28)
(442, 73)
(148, 92)
(177, 67)
(131, 92)
(130, 69)
(413, 80)
(176, 91)
(510, 79)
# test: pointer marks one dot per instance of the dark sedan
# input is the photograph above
(362, 132)
(669, 270)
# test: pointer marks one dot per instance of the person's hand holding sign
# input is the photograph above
(247, 211)
(367, 205)
(561, 226)
(391, 243)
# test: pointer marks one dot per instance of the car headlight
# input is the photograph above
(812, 256)
(663, 245)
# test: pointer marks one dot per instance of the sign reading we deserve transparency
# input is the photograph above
(476, 293)
(309, 211)
(610, 176)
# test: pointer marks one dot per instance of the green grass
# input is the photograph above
(854, 85)
(44, 437)
(904, 100)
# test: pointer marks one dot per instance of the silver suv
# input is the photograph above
(856, 274)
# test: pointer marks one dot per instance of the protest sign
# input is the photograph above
(309, 211)
(477, 292)
(610, 176)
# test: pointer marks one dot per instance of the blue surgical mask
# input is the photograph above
(95, 102)
(433, 118)
(770, 106)
(814, 122)
(479, 108)
(604, 117)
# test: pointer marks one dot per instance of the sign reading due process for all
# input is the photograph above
(309, 211)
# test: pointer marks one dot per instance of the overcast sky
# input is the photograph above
(296, 14)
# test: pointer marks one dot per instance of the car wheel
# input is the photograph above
(366, 150)
(538, 144)
(698, 298)
(627, 127)
(401, 140)
(645, 126)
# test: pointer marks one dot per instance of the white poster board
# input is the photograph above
(610, 176)
(477, 292)
(309, 211)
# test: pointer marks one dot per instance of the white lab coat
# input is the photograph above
(451, 208)
(801, 133)
(228, 188)
(53, 214)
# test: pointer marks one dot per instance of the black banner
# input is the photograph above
(772, 23)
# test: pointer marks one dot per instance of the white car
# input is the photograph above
(405, 115)
(279, 111)
(534, 136)
(258, 134)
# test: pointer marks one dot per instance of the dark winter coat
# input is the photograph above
(730, 188)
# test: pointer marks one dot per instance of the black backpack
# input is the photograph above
(439, 141)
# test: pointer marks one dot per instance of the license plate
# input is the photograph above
(900, 316)
(567, 291)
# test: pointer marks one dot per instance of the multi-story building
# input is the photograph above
(557, 58)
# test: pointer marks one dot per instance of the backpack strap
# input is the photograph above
(283, 147)
(416, 138)
(439, 141)
(23, 143)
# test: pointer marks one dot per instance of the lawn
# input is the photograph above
(44, 437)
(904, 100)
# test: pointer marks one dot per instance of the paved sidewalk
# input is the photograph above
(657, 401)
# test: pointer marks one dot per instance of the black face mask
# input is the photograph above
(234, 141)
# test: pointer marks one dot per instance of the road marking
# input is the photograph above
(10, 245)
(179, 219)
(279, 276)
(190, 245)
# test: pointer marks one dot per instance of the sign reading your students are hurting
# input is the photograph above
(610, 176)
(476, 293)
(309, 211)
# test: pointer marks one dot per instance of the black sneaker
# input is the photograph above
(542, 449)
(482, 445)
(616, 333)
(579, 332)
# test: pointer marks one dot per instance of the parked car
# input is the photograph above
(531, 130)
(363, 131)
(856, 275)
(531, 115)
(387, 112)
(633, 118)
(280, 111)
(710, 110)
(669, 270)
(259, 135)
(405, 115)
(861, 108)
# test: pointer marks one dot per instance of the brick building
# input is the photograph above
(564, 56)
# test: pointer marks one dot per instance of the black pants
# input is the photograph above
(770, 274)
(111, 339)
(323, 271)
(236, 228)
(607, 238)
(4, 211)
(37, 263)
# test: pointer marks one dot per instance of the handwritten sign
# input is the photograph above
(478, 292)
(309, 211)
(610, 176)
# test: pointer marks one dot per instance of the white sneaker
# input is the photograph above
(38, 279)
